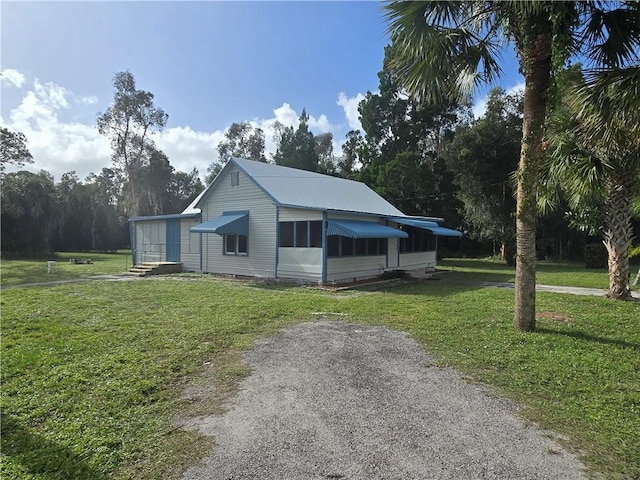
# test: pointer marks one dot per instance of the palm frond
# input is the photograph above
(610, 37)
(443, 49)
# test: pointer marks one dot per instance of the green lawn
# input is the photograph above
(93, 373)
(15, 272)
(571, 274)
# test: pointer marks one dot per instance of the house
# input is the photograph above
(263, 220)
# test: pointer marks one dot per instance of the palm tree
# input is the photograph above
(595, 153)
(447, 48)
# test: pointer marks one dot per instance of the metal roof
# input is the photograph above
(191, 208)
(299, 188)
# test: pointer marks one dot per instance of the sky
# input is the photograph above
(208, 64)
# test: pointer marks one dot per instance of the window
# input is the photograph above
(235, 244)
(419, 240)
(235, 179)
(301, 234)
(345, 247)
(315, 234)
(286, 234)
(333, 246)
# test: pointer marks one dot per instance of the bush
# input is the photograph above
(595, 255)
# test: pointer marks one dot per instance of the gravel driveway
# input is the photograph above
(333, 400)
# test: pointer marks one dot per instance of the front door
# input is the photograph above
(173, 240)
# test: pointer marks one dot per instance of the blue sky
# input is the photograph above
(207, 63)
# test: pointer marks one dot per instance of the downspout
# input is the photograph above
(324, 247)
(277, 241)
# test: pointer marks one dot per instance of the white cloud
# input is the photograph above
(350, 107)
(59, 145)
(187, 148)
(286, 115)
(480, 105)
(321, 123)
(12, 76)
(518, 88)
(88, 100)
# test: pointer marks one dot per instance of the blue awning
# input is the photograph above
(228, 222)
(359, 229)
(433, 227)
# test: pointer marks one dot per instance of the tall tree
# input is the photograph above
(76, 215)
(348, 162)
(401, 153)
(244, 141)
(596, 157)
(447, 48)
(13, 149)
(108, 228)
(29, 214)
(182, 190)
(129, 123)
(324, 152)
(297, 147)
(483, 157)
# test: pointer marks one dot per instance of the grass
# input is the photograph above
(572, 274)
(16, 272)
(94, 374)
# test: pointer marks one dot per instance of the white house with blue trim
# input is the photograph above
(263, 220)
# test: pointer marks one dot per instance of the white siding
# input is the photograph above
(303, 263)
(392, 249)
(151, 241)
(298, 214)
(189, 245)
(415, 261)
(353, 268)
(260, 261)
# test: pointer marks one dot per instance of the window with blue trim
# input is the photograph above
(235, 244)
(338, 246)
(419, 240)
(301, 234)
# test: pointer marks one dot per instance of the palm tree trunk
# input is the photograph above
(617, 235)
(636, 282)
(537, 61)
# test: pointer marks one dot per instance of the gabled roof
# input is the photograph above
(291, 187)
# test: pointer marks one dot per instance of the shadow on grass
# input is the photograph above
(587, 337)
(442, 284)
(38, 456)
